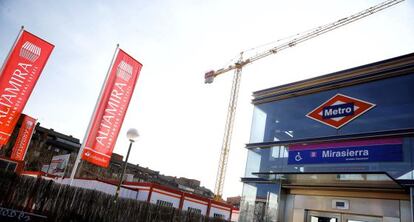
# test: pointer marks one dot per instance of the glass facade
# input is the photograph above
(280, 126)
(266, 159)
(286, 120)
(275, 159)
(259, 202)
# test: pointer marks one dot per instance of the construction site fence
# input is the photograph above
(45, 200)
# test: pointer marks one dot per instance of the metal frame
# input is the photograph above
(322, 83)
(309, 214)
(341, 217)
(347, 217)
(371, 135)
(362, 172)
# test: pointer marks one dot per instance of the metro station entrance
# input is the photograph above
(316, 216)
(343, 197)
(309, 159)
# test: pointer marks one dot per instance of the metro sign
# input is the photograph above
(340, 110)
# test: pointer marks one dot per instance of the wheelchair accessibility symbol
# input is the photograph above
(298, 157)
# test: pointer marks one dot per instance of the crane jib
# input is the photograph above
(335, 111)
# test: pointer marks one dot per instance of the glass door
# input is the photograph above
(315, 216)
(318, 216)
(357, 218)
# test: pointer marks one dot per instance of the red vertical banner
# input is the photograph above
(23, 139)
(18, 78)
(111, 109)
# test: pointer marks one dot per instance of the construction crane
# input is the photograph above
(241, 62)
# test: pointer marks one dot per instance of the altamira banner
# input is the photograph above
(23, 139)
(18, 77)
(111, 108)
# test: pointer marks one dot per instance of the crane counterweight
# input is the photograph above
(209, 77)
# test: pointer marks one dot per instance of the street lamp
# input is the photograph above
(132, 134)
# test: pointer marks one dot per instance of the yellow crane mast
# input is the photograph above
(238, 66)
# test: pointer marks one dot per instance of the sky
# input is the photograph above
(180, 119)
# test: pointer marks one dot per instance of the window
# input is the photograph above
(8, 165)
(194, 210)
(164, 203)
(279, 152)
(216, 215)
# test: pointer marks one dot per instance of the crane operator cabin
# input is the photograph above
(335, 148)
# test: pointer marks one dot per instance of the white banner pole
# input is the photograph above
(12, 48)
(78, 159)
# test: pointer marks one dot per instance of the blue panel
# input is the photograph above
(397, 163)
(286, 120)
(377, 153)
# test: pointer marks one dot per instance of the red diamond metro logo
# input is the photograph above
(340, 110)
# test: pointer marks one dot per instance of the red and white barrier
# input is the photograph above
(155, 194)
